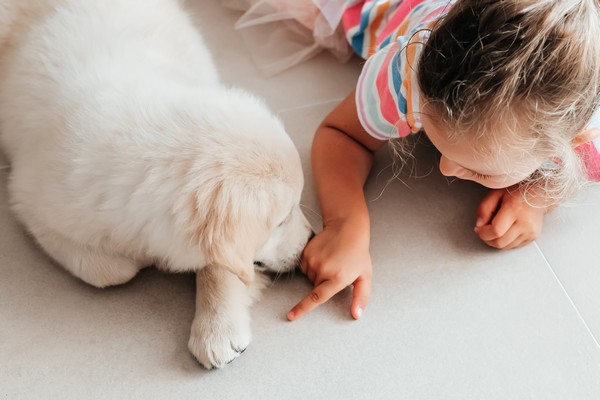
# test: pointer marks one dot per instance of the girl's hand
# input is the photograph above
(336, 257)
(506, 221)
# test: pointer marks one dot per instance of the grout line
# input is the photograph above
(567, 294)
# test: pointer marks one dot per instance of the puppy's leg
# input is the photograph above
(221, 328)
(90, 265)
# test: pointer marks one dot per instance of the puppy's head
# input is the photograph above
(247, 190)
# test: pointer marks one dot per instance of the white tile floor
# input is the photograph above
(448, 319)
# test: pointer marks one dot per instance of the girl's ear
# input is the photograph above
(585, 136)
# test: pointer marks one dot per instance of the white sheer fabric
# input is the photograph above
(283, 33)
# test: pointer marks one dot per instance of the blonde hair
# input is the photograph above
(532, 61)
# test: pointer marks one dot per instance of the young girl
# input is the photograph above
(504, 89)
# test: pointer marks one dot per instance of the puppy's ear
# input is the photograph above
(232, 228)
(226, 244)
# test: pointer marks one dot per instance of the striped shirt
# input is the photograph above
(390, 35)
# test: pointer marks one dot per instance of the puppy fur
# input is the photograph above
(126, 151)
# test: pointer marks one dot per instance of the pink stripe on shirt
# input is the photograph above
(351, 16)
(591, 160)
(388, 107)
(397, 18)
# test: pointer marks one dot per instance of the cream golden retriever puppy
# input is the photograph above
(126, 150)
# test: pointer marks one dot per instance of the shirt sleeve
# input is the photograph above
(387, 97)
(381, 107)
(590, 152)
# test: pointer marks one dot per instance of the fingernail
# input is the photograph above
(358, 312)
(479, 222)
(290, 315)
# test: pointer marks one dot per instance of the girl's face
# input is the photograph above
(496, 170)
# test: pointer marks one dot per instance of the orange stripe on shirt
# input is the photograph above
(411, 49)
(374, 26)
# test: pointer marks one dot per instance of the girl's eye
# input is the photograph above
(481, 176)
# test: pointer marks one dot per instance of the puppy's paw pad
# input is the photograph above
(215, 345)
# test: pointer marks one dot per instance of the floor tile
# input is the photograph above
(570, 244)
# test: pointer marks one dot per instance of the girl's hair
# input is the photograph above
(536, 62)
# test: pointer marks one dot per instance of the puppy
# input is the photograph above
(126, 151)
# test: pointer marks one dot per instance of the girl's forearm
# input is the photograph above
(341, 166)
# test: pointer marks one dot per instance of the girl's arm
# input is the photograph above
(342, 156)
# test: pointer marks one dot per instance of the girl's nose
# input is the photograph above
(449, 167)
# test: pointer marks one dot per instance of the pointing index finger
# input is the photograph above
(319, 295)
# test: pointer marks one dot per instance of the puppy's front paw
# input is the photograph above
(216, 342)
